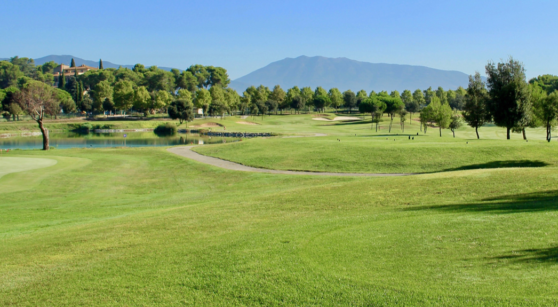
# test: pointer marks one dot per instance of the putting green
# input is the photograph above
(15, 164)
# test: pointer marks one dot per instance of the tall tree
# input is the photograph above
(202, 100)
(101, 64)
(440, 113)
(455, 123)
(123, 95)
(61, 80)
(509, 102)
(181, 109)
(201, 74)
(9, 73)
(73, 63)
(291, 94)
(475, 110)
(308, 95)
(418, 97)
(37, 100)
(546, 110)
(428, 93)
(393, 106)
(350, 99)
(320, 91)
(278, 95)
(336, 98)
(142, 99)
(321, 101)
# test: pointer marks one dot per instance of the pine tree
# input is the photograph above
(61, 80)
(73, 64)
(101, 64)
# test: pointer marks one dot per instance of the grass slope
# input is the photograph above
(146, 227)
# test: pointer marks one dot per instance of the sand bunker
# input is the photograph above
(207, 125)
(246, 123)
(338, 118)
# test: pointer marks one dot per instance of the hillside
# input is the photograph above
(346, 74)
(66, 59)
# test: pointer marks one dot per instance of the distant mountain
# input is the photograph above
(67, 59)
(345, 74)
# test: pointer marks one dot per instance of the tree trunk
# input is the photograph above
(453, 133)
(372, 120)
(508, 134)
(390, 123)
(440, 131)
(524, 135)
(477, 131)
(45, 135)
(548, 133)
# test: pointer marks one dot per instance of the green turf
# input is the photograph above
(16, 164)
(145, 227)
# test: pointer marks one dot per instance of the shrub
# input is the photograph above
(166, 129)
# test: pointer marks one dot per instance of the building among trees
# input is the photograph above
(71, 71)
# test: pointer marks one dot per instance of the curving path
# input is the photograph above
(187, 152)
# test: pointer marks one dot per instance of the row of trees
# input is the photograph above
(509, 101)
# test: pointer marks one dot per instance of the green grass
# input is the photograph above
(15, 164)
(145, 227)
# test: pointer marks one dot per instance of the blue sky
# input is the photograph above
(242, 36)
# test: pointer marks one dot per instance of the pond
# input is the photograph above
(100, 140)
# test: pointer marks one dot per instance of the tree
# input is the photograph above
(61, 80)
(182, 110)
(308, 95)
(298, 103)
(9, 105)
(321, 101)
(291, 94)
(278, 95)
(509, 101)
(217, 77)
(418, 97)
(73, 63)
(360, 97)
(546, 111)
(402, 117)
(475, 110)
(37, 100)
(455, 123)
(336, 98)
(123, 95)
(411, 105)
(100, 64)
(9, 73)
(457, 99)
(439, 113)
(108, 105)
(200, 73)
(350, 99)
(393, 106)
(271, 105)
(102, 91)
(320, 91)
(65, 101)
(548, 83)
(428, 93)
(442, 95)
(161, 100)
(395, 94)
(202, 100)
(142, 99)
(426, 116)
(368, 106)
(187, 81)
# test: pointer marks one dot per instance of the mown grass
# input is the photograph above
(145, 227)
(141, 226)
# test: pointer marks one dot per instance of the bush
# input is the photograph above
(166, 129)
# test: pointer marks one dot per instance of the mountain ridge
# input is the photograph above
(66, 59)
(344, 74)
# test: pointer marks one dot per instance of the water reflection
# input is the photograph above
(102, 140)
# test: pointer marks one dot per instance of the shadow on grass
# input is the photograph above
(500, 164)
(549, 255)
(517, 203)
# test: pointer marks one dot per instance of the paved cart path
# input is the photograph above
(187, 152)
